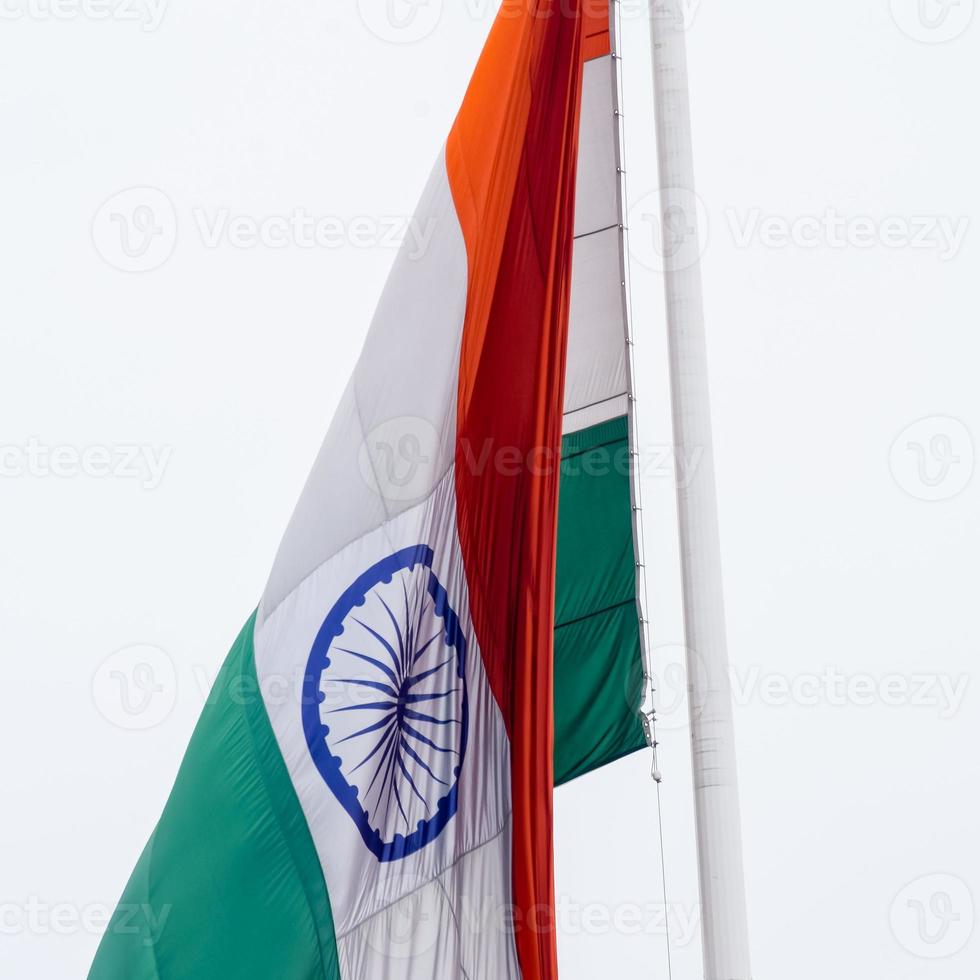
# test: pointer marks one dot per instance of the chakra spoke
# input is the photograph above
(398, 633)
(380, 769)
(412, 681)
(386, 737)
(387, 671)
(410, 635)
(419, 698)
(418, 716)
(423, 594)
(372, 706)
(394, 786)
(414, 755)
(367, 731)
(424, 647)
(374, 685)
(388, 771)
(383, 642)
(416, 734)
(411, 782)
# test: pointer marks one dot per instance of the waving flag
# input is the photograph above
(380, 748)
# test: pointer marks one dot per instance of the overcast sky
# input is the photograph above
(159, 413)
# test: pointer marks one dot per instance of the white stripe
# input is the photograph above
(596, 204)
(384, 482)
(596, 375)
(596, 366)
(394, 433)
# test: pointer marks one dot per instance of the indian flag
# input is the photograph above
(451, 625)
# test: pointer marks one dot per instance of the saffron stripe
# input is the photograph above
(511, 160)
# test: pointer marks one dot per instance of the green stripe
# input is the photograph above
(230, 884)
(598, 663)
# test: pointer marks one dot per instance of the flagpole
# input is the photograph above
(719, 834)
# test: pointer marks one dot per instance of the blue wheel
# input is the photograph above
(385, 708)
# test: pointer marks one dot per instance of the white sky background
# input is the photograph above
(842, 581)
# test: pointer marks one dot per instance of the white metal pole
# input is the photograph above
(719, 834)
